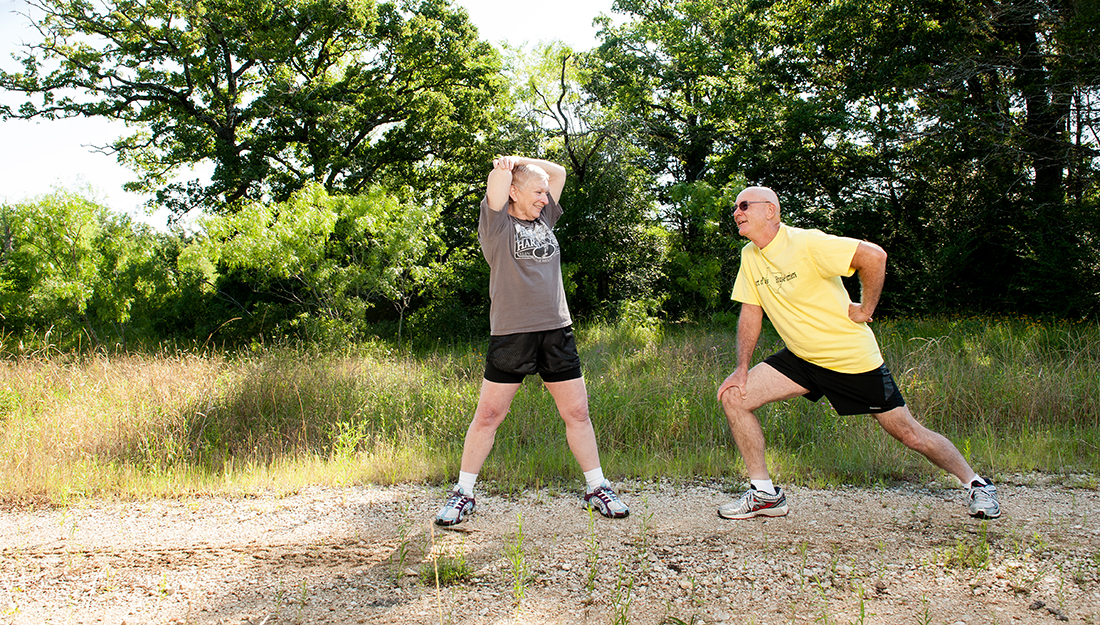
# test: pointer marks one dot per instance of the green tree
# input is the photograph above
(959, 135)
(274, 95)
(316, 265)
(700, 273)
(70, 264)
(673, 72)
(950, 127)
(609, 250)
(49, 265)
(137, 283)
(679, 75)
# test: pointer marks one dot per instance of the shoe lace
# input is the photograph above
(747, 501)
(457, 499)
(606, 495)
(984, 494)
(609, 494)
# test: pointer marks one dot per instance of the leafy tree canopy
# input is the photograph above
(323, 261)
(68, 263)
(273, 93)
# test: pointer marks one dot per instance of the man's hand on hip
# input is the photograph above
(857, 314)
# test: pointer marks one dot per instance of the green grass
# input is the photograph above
(1014, 395)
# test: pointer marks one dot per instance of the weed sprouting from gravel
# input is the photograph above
(863, 613)
(622, 597)
(445, 567)
(924, 617)
(516, 556)
(645, 528)
(303, 600)
(400, 556)
(592, 555)
(970, 555)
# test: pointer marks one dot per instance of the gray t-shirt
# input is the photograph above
(525, 284)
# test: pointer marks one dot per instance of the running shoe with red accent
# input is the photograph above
(755, 503)
(458, 506)
(606, 502)
(983, 501)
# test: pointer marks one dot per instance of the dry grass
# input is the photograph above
(71, 424)
(1014, 396)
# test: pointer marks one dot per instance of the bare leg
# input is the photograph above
(492, 407)
(900, 424)
(571, 396)
(764, 386)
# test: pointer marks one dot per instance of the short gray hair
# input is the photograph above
(522, 175)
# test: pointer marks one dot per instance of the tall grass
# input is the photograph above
(1014, 396)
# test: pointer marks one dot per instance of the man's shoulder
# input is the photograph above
(813, 236)
(796, 232)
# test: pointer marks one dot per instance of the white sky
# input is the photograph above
(38, 156)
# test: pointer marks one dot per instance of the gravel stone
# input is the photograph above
(364, 555)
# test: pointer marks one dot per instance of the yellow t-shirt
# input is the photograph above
(796, 280)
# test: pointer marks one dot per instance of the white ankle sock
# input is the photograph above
(466, 482)
(594, 478)
(764, 485)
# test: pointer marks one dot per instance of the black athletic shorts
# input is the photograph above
(552, 354)
(849, 393)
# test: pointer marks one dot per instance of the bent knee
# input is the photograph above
(734, 403)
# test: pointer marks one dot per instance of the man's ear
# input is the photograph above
(512, 191)
(772, 210)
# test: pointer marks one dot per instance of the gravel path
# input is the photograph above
(355, 555)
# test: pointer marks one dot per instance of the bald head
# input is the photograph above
(757, 194)
(757, 215)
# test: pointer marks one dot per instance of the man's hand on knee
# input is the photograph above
(737, 381)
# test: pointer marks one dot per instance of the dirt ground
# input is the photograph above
(908, 554)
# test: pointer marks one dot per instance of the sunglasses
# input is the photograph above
(744, 204)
